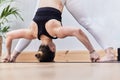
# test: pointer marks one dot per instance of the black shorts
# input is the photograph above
(42, 16)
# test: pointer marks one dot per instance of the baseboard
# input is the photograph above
(61, 56)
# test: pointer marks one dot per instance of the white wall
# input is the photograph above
(28, 7)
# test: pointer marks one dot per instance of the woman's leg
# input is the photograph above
(21, 45)
(78, 11)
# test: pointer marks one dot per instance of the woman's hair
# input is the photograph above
(45, 54)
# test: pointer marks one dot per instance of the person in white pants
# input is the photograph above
(46, 26)
(91, 16)
(88, 15)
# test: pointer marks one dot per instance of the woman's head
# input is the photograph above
(45, 54)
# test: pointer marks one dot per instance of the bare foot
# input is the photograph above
(109, 56)
(13, 59)
(14, 56)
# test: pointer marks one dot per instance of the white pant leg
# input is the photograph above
(81, 14)
(22, 44)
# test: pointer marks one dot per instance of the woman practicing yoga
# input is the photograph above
(46, 25)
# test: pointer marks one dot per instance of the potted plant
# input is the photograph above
(6, 10)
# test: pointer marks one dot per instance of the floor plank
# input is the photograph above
(59, 71)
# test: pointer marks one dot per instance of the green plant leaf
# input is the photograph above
(5, 29)
(10, 11)
(5, 13)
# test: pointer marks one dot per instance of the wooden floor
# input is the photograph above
(59, 71)
(74, 65)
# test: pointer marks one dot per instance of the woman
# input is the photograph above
(46, 25)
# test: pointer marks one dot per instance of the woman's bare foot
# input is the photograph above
(13, 59)
(109, 56)
(14, 56)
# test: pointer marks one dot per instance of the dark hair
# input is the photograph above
(46, 54)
